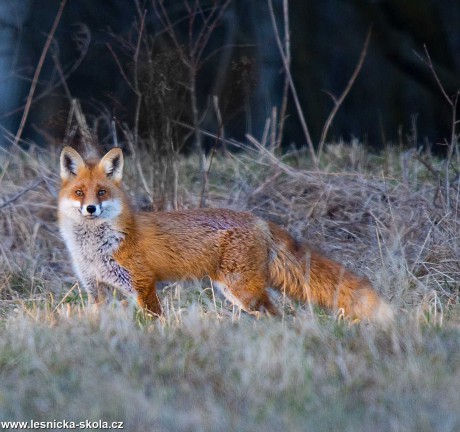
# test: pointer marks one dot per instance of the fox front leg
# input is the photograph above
(97, 291)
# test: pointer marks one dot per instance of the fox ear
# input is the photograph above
(71, 161)
(112, 164)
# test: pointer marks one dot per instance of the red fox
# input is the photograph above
(112, 245)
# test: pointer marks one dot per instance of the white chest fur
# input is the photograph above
(92, 245)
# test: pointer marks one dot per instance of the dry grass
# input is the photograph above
(205, 366)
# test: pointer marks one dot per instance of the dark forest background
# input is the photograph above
(96, 40)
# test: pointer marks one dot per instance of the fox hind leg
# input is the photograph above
(148, 300)
(242, 270)
(250, 295)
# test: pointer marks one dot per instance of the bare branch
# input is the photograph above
(57, 64)
(82, 125)
(21, 193)
(211, 27)
(291, 85)
(114, 132)
(429, 63)
(453, 144)
(163, 16)
(139, 40)
(83, 45)
(136, 80)
(130, 140)
(223, 48)
(287, 51)
(38, 70)
(120, 67)
(339, 101)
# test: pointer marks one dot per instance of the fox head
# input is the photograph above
(91, 190)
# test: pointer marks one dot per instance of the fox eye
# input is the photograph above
(101, 192)
(79, 192)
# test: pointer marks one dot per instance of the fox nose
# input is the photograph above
(91, 209)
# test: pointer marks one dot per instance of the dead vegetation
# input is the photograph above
(206, 366)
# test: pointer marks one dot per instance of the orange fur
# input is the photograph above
(240, 251)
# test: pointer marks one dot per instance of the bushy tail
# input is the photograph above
(308, 276)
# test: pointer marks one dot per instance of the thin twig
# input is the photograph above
(38, 70)
(427, 165)
(66, 74)
(429, 63)
(291, 85)
(136, 80)
(338, 102)
(130, 139)
(62, 77)
(114, 132)
(21, 193)
(287, 51)
(223, 48)
(273, 139)
(210, 28)
(120, 67)
(169, 28)
(82, 126)
(68, 128)
(221, 131)
(452, 145)
(65, 297)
